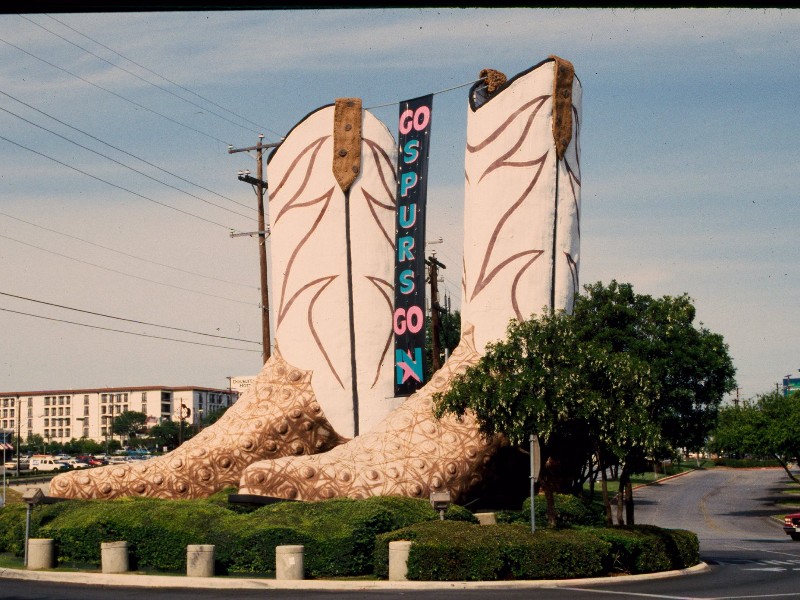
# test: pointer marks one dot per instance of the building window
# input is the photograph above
(66, 433)
(46, 412)
(86, 399)
(60, 410)
(85, 411)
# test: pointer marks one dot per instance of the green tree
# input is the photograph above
(34, 444)
(766, 427)
(165, 434)
(213, 417)
(622, 378)
(129, 423)
(689, 366)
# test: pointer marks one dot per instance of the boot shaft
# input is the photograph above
(332, 265)
(522, 200)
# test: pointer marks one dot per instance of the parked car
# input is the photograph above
(791, 526)
(11, 465)
(47, 463)
(74, 463)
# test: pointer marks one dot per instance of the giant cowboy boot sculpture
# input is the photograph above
(521, 236)
(332, 206)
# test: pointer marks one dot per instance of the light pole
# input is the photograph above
(19, 420)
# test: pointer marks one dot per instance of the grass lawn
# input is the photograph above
(649, 477)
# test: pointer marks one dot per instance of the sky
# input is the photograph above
(689, 168)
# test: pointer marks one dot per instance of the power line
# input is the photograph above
(119, 187)
(125, 274)
(121, 97)
(261, 127)
(88, 312)
(142, 173)
(450, 89)
(126, 254)
(49, 116)
(163, 89)
(157, 337)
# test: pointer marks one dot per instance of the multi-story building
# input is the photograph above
(61, 415)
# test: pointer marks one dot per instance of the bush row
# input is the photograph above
(338, 535)
(570, 511)
(746, 463)
(350, 537)
(464, 552)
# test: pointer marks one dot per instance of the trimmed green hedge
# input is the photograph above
(338, 535)
(345, 537)
(746, 463)
(649, 549)
(462, 552)
(570, 511)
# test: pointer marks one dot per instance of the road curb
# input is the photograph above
(175, 581)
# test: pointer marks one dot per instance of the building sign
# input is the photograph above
(240, 385)
(414, 127)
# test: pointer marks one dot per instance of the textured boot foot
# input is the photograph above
(278, 416)
(410, 453)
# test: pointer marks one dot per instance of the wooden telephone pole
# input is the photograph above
(260, 186)
(436, 323)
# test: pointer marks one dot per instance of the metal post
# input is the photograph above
(19, 418)
(27, 532)
(535, 463)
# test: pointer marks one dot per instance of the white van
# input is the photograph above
(47, 463)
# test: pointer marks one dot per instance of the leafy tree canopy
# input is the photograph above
(765, 427)
(129, 423)
(624, 375)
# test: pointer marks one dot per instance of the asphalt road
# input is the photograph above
(749, 555)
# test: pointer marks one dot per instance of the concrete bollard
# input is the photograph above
(487, 518)
(114, 557)
(41, 553)
(289, 562)
(200, 560)
(398, 560)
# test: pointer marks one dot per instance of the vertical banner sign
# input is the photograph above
(414, 129)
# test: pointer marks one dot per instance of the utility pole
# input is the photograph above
(260, 187)
(433, 276)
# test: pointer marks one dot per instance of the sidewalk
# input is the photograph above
(135, 580)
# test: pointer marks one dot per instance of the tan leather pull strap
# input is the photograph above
(562, 104)
(346, 141)
(493, 79)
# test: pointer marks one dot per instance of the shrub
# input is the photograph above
(648, 549)
(449, 551)
(570, 510)
(12, 528)
(338, 535)
(157, 531)
(746, 463)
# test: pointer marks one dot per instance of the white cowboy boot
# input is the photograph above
(332, 208)
(521, 255)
